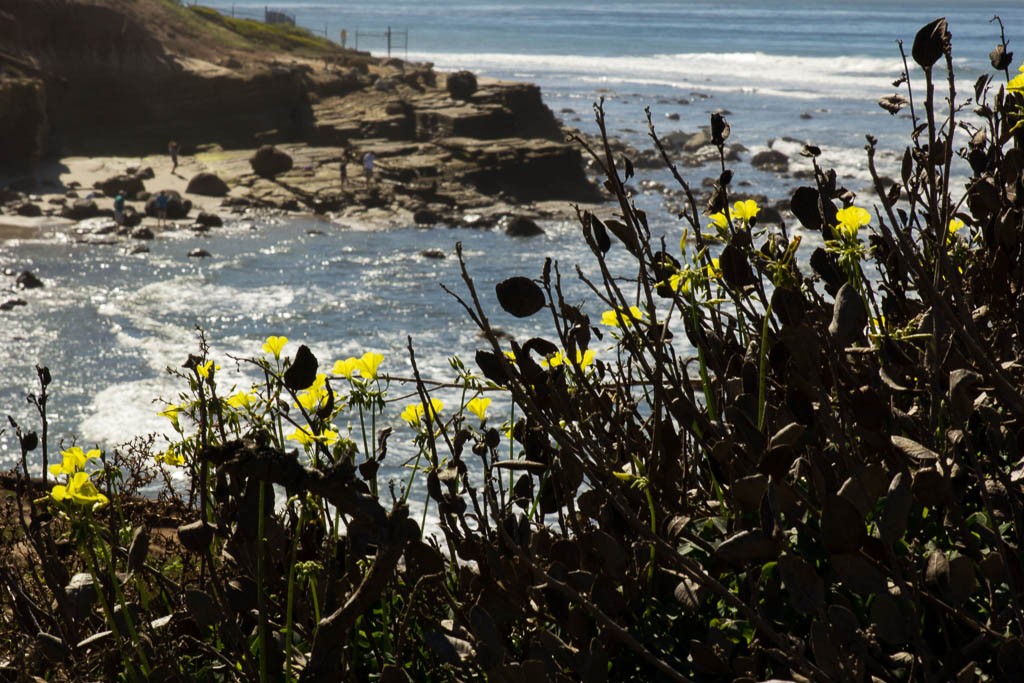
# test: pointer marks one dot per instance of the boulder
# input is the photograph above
(199, 253)
(130, 185)
(461, 85)
(142, 233)
(176, 206)
(432, 254)
(425, 216)
(207, 185)
(209, 220)
(29, 209)
(268, 161)
(10, 304)
(81, 209)
(131, 217)
(145, 173)
(770, 160)
(521, 226)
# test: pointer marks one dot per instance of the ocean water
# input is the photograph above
(108, 324)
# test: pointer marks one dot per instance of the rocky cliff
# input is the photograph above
(91, 77)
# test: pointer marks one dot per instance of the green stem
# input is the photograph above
(762, 385)
(290, 603)
(261, 597)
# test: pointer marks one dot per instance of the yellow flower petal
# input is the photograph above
(478, 406)
(369, 363)
(274, 345)
(851, 219)
(745, 210)
(345, 368)
(621, 318)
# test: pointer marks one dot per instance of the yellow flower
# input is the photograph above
(206, 369)
(414, 412)
(478, 406)
(79, 490)
(1016, 84)
(719, 221)
(621, 318)
(242, 400)
(851, 219)
(345, 368)
(510, 356)
(73, 460)
(713, 270)
(745, 210)
(305, 436)
(274, 345)
(583, 359)
(171, 413)
(172, 457)
(309, 400)
(369, 363)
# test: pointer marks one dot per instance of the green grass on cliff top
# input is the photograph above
(294, 39)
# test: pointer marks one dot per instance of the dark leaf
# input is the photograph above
(805, 206)
(520, 296)
(849, 317)
(139, 549)
(893, 522)
(629, 167)
(689, 594)
(748, 547)
(806, 589)
(302, 372)
(604, 243)
(893, 103)
(1000, 58)
(891, 624)
(963, 579)
(788, 305)
(913, 449)
(491, 365)
(930, 43)
(735, 269)
(625, 234)
(541, 346)
(720, 129)
(842, 527)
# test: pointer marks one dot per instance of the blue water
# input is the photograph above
(108, 324)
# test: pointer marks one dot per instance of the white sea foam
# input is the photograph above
(743, 72)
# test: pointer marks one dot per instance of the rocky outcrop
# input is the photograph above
(23, 121)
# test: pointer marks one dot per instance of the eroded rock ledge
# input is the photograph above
(122, 79)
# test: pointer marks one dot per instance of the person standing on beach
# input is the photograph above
(172, 149)
(162, 200)
(368, 160)
(343, 167)
(119, 208)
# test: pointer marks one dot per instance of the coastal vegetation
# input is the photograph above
(823, 483)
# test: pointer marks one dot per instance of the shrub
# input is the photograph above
(824, 485)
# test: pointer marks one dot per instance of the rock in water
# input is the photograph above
(210, 220)
(770, 160)
(521, 226)
(208, 185)
(28, 280)
(199, 253)
(268, 161)
(461, 85)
